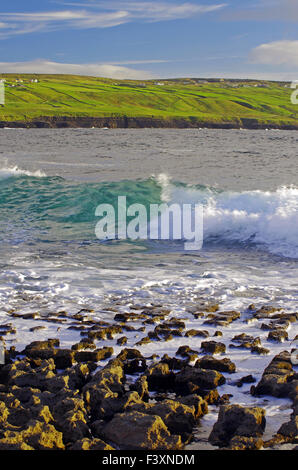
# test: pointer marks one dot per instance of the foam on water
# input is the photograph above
(266, 218)
(15, 171)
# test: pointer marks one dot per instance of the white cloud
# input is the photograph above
(276, 53)
(265, 10)
(96, 70)
(98, 15)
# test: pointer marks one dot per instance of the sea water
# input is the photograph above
(51, 182)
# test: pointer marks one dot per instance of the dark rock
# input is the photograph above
(91, 444)
(236, 420)
(248, 379)
(202, 379)
(139, 431)
(38, 435)
(278, 335)
(186, 351)
(275, 379)
(197, 333)
(129, 354)
(141, 386)
(213, 347)
(178, 417)
(245, 443)
(160, 377)
(221, 365)
(93, 356)
(196, 402)
(121, 341)
(84, 344)
(290, 429)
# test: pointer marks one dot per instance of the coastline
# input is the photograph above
(125, 122)
(108, 389)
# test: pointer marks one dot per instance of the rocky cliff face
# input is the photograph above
(125, 122)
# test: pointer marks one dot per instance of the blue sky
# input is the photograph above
(151, 39)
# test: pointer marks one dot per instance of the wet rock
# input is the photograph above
(197, 333)
(200, 378)
(186, 351)
(218, 333)
(10, 444)
(63, 358)
(144, 340)
(106, 385)
(141, 387)
(129, 353)
(129, 316)
(174, 363)
(236, 420)
(221, 365)
(199, 405)
(211, 396)
(71, 419)
(121, 341)
(83, 345)
(134, 366)
(278, 335)
(245, 443)
(245, 341)
(275, 378)
(93, 356)
(290, 429)
(265, 311)
(139, 431)
(38, 435)
(213, 347)
(47, 344)
(91, 444)
(178, 417)
(248, 379)
(222, 318)
(37, 328)
(260, 350)
(112, 404)
(160, 377)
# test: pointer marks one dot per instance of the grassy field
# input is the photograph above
(30, 97)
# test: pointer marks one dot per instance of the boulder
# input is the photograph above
(213, 347)
(91, 444)
(245, 443)
(178, 417)
(160, 377)
(201, 378)
(140, 431)
(236, 420)
(38, 435)
(276, 377)
(221, 365)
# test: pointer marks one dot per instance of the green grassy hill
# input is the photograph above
(30, 97)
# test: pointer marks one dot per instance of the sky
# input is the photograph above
(151, 39)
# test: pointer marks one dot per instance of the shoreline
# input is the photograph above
(124, 122)
(116, 382)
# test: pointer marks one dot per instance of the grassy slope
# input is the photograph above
(76, 96)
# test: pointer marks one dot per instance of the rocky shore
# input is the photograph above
(125, 122)
(95, 396)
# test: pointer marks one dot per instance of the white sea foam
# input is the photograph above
(10, 172)
(266, 218)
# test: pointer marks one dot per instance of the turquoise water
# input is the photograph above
(52, 182)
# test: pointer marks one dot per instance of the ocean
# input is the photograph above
(51, 182)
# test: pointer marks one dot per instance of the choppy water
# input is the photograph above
(51, 182)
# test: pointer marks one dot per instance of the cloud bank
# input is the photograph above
(96, 70)
(276, 53)
(89, 15)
